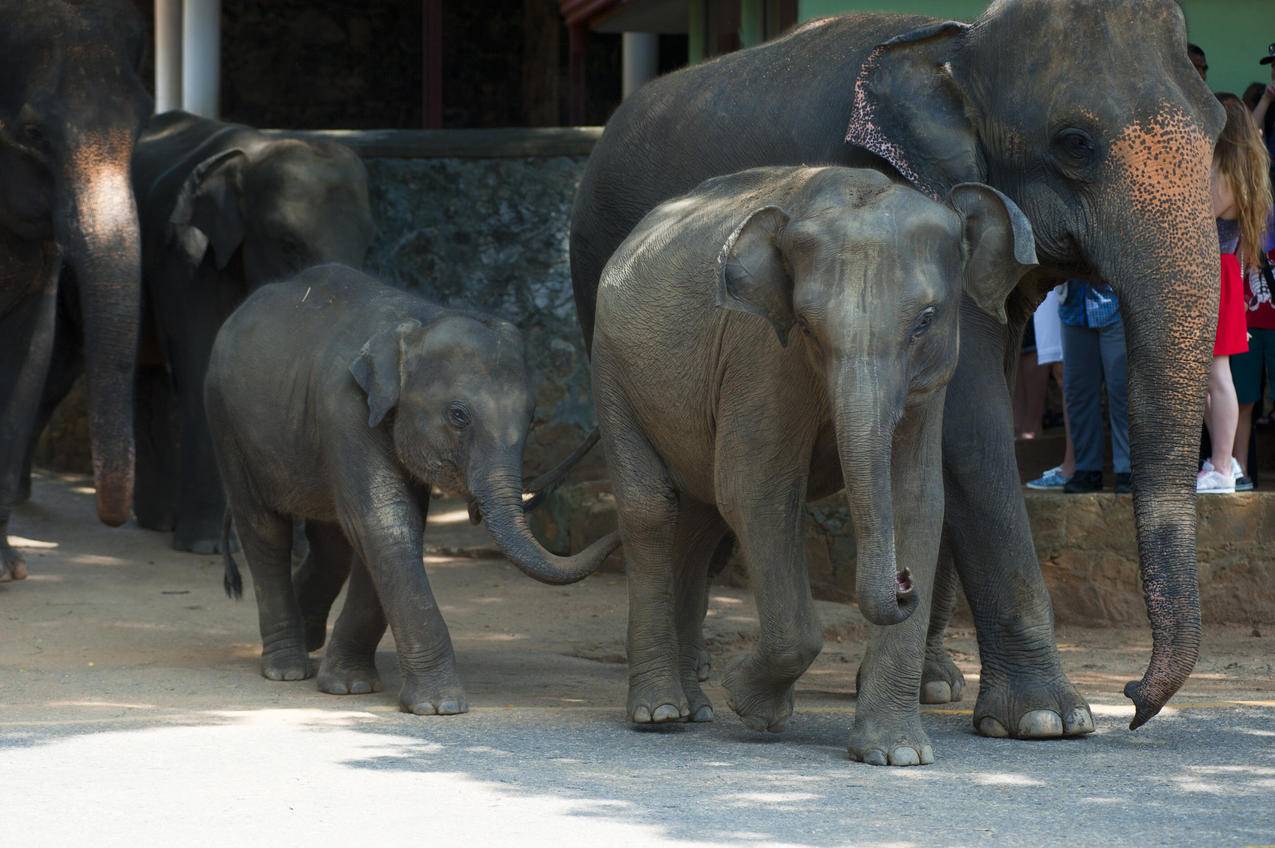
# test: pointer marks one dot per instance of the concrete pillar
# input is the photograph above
(640, 60)
(168, 55)
(201, 56)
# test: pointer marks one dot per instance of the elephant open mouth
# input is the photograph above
(904, 579)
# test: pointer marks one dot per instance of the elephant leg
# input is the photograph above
(701, 533)
(767, 521)
(266, 541)
(320, 577)
(1023, 691)
(388, 538)
(349, 663)
(66, 364)
(200, 502)
(155, 435)
(26, 344)
(647, 508)
(941, 681)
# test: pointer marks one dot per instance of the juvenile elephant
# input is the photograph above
(715, 423)
(1111, 166)
(71, 106)
(224, 209)
(337, 400)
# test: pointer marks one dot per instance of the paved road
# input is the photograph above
(131, 714)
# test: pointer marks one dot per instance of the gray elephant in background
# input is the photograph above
(773, 336)
(224, 208)
(338, 400)
(71, 106)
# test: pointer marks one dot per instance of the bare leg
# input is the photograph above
(1223, 415)
(1243, 434)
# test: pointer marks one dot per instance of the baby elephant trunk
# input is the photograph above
(865, 441)
(498, 494)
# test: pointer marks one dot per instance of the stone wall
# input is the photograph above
(1086, 545)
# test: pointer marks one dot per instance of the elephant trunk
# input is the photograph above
(1167, 276)
(497, 488)
(865, 439)
(97, 229)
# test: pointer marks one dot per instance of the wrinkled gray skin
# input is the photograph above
(1108, 158)
(71, 105)
(338, 400)
(224, 208)
(774, 335)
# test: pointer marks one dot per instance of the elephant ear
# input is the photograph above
(752, 274)
(999, 247)
(207, 211)
(910, 110)
(378, 370)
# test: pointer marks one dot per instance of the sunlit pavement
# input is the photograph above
(131, 713)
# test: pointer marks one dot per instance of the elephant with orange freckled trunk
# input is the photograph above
(1110, 163)
(71, 107)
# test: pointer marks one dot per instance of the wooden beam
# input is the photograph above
(506, 143)
(432, 57)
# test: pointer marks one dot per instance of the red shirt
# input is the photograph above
(1257, 299)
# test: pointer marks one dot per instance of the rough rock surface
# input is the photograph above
(1086, 545)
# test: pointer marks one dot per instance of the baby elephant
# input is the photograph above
(773, 336)
(338, 400)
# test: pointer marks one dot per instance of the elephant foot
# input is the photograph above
(1028, 708)
(285, 663)
(658, 698)
(200, 536)
(699, 707)
(316, 633)
(941, 681)
(761, 701)
(893, 741)
(13, 566)
(341, 675)
(434, 694)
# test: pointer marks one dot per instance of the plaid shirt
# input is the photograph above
(1086, 305)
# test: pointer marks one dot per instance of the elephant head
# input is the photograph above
(1090, 116)
(457, 393)
(287, 204)
(71, 108)
(880, 323)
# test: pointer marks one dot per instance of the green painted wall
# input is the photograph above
(1233, 33)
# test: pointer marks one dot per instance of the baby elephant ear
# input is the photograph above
(378, 370)
(752, 274)
(999, 246)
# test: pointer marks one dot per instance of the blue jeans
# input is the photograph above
(1090, 358)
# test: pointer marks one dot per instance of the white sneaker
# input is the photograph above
(1236, 471)
(1211, 482)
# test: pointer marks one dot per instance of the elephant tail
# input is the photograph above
(543, 485)
(233, 581)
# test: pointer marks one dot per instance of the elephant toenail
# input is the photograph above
(1040, 724)
(936, 692)
(989, 726)
(875, 758)
(703, 714)
(665, 712)
(927, 755)
(642, 715)
(903, 756)
(1079, 722)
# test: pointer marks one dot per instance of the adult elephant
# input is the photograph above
(71, 106)
(224, 208)
(1090, 117)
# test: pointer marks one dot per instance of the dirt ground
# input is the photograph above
(116, 643)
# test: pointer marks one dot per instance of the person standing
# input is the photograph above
(1242, 203)
(1094, 354)
(1049, 354)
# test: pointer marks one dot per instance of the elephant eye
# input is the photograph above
(922, 322)
(1076, 145)
(458, 416)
